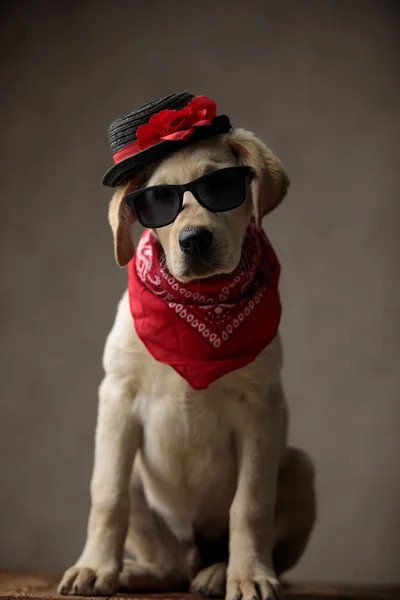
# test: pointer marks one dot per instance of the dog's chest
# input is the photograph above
(187, 455)
(189, 427)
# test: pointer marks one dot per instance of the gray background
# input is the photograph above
(318, 81)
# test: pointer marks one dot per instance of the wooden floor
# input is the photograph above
(43, 585)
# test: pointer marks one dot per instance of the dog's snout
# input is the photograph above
(195, 240)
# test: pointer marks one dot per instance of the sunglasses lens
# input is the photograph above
(157, 207)
(223, 190)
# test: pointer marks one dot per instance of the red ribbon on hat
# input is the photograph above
(170, 125)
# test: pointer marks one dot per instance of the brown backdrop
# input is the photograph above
(318, 81)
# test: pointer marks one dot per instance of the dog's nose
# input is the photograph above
(195, 240)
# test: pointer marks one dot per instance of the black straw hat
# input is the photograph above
(152, 132)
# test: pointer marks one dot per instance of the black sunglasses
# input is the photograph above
(219, 191)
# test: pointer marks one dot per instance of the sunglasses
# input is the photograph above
(219, 191)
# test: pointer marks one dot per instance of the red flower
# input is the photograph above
(177, 124)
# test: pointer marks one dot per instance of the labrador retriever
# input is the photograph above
(194, 488)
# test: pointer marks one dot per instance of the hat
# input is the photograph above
(158, 129)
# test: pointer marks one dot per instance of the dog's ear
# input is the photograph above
(121, 219)
(271, 182)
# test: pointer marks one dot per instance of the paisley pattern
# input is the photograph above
(205, 329)
(215, 313)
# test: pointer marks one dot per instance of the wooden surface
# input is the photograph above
(43, 585)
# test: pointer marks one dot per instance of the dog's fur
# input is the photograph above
(210, 468)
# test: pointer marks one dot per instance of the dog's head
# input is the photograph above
(217, 237)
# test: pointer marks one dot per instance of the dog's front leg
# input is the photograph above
(118, 437)
(250, 573)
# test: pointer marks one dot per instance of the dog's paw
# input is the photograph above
(261, 585)
(210, 582)
(83, 581)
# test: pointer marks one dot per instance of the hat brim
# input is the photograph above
(122, 172)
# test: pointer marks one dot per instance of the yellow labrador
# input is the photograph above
(199, 487)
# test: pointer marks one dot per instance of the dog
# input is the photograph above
(197, 487)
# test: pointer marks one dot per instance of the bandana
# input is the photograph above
(207, 328)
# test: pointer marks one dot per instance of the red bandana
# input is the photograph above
(208, 328)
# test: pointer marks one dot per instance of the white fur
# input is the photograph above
(203, 461)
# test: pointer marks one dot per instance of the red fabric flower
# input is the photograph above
(176, 124)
